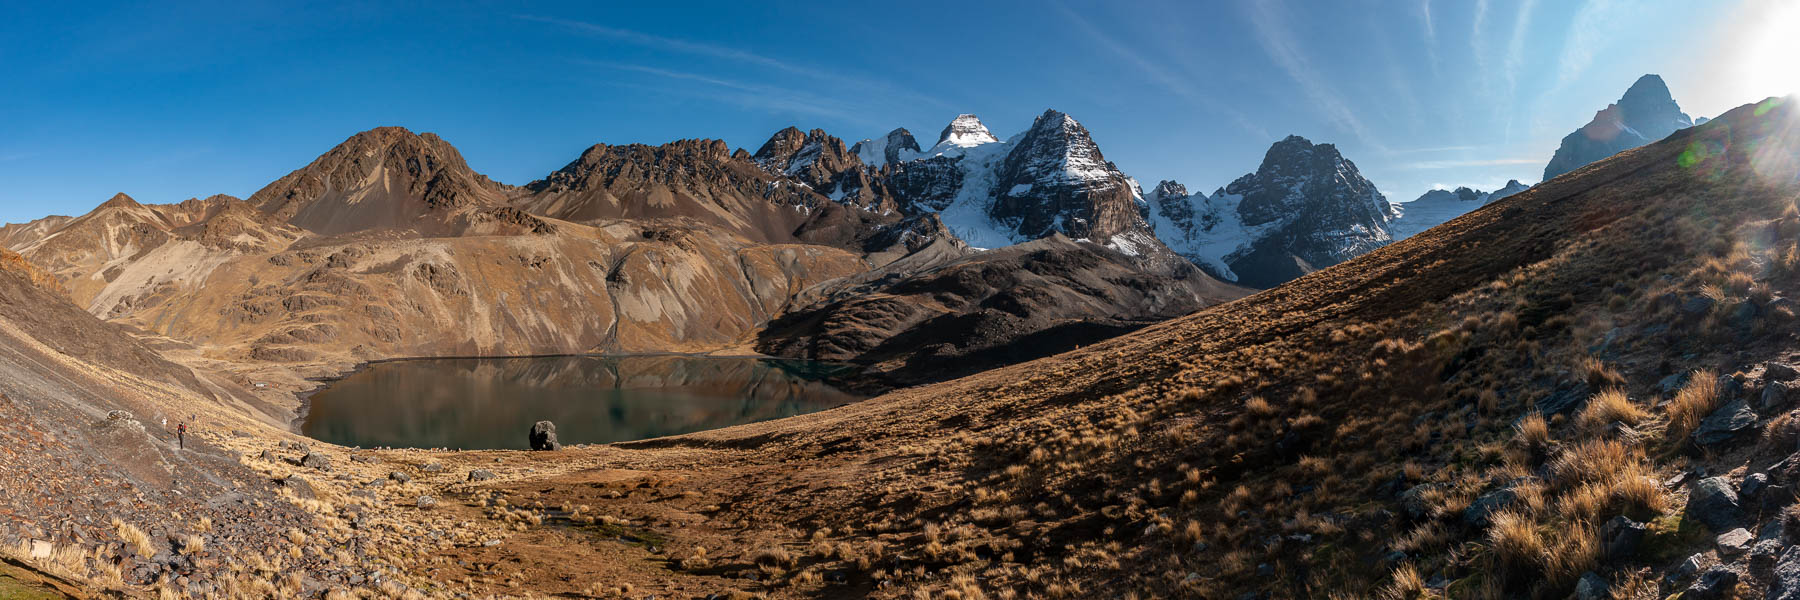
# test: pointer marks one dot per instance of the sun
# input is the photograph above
(1771, 63)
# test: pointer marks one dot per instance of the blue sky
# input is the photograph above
(170, 103)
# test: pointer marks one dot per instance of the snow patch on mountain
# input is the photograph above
(896, 147)
(1437, 207)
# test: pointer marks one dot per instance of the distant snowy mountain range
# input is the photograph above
(1306, 207)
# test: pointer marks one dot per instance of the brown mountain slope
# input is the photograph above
(82, 443)
(627, 287)
(1324, 438)
(14, 235)
(938, 321)
(124, 253)
(379, 179)
(697, 180)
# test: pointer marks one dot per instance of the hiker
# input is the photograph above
(181, 435)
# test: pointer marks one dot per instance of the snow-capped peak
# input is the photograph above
(897, 147)
(1169, 189)
(965, 131)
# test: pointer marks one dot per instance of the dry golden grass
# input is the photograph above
(1598, 375)
(1516, 547)
(1406, 585)
(1609, 406)
(134, 538)
(1698, 398)
(1532, 434)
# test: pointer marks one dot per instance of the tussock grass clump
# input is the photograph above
(1532, 434)
(1612, 405)
(1598, 375)
(135, 538)
(1406, 585)
(1516, 547)
(1591, 461)
(774, 556)
(1698, 398)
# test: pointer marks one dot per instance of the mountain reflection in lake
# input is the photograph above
(488, 403)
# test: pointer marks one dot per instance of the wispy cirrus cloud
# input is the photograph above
(1430, 32)
(1160, 75)
(752, 95)
(1589, 31)
(1477, 39)
(877, 88)
(1515, 58)
(1269, 23)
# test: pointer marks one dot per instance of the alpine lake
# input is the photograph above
(491, 403)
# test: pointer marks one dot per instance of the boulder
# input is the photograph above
(1686, 569)
(480, 475)
(1784, 582)
(1412, 501)
(1776, 395)
(1752, 486)
(367, 459)
(1773, 498)
(300, 486)
(314, 460)
(1779, 371)
(1621, 537)
(1592, 587)
(1733, 543)
(1763, 556)
(543, 436)
(1725, 424)
(432, 467)
(1483, 508)
(426, 502)
(399, 476)
(1714, 503)
(1716, 583)
(1697, 304)
(1565, 400)
(1671, 384)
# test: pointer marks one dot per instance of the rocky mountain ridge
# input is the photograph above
(1646, 113)
(1306, 207)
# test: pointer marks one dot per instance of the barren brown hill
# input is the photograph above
(386, 177)
(124, 254)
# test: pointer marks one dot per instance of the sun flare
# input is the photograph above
(1771, 63)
